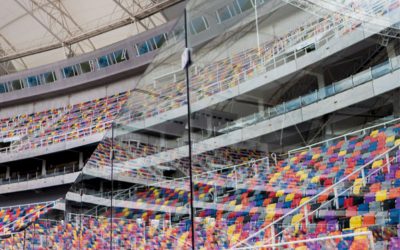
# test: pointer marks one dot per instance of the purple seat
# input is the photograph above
(394, 243)
(370, 197)
(332, 225)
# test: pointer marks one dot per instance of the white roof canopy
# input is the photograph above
(37, 32)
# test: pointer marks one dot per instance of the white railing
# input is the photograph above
(67, 169)
(50, 140)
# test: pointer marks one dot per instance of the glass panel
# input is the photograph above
(142, 48)
(362, 77)
(49, 77)
(3, 88)
(103, 61)
(159, 40)
(135, 205)
(16, 84)
(32, 81)
(224, 14)
(151, 44)
(395, 62)
(69, 71)
(343, 85)
(233, 173)
(86, 67)
(381, 69)
(293, 104)
(243, 5)
(309, 98)
(199, 24)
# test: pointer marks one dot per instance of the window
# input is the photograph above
(121, 55)
(242, 5)
(224, 14)
(69, 71)
(142, 48)
(160, 40)
(16, 84)
(32, 81)
(48, 77)
(86, 66)
(3, 88)
(199, 24)
(103, 61)
(151, 44)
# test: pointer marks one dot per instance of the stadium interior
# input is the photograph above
(226, 124)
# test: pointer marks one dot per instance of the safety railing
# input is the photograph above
(67, 169)
(54, 139)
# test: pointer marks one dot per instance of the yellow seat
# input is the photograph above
(390, 139)
(357, 186)
(342, 153)
(289, 197)
(297, 218)
(270, 211)
(279, 193)
(355, 222)
(374, 133)
(381, 195)
(377, 164)
(315, 179)
(304, 200)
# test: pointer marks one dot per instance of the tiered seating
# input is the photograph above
(64, 124)
(27, 124)
(299, 178)
(240, 212)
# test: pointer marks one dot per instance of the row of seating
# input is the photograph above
(64, 124)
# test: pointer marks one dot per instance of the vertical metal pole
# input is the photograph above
(24, 238)
(387, 162)
(112, 185)
(189, 131)
(34, 235)
(258, 35)
(273, 235)
(335, 192)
